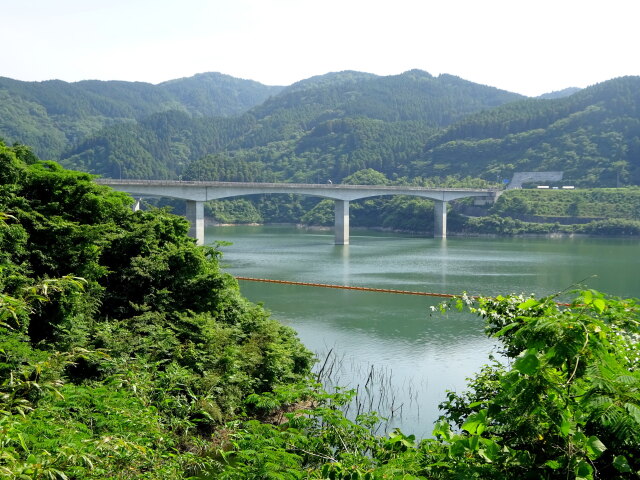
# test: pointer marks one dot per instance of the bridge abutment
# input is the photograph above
(440, 219)
(195, 215)
(341, 222)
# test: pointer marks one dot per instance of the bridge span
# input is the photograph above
(196, 193)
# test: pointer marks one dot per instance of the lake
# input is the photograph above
(412, 355)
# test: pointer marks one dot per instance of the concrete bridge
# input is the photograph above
(196, 193)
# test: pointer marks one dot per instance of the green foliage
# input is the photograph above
(220, 168)
(567, 406)
(313, 131)
(592, 135)
(610, 227)
(601, 203)
(322, 214)
(604, 211)
(123, 347)
(368, 176)
(511, 205)
(409, 214)
(498, 225)
(233, 211)
(411, 125)
(562, 402)
(158, 146)
(55, 116)
(310, 442)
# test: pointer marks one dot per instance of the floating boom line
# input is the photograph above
(367, 289)
(346, 287)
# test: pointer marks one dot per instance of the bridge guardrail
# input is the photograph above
(339, 186)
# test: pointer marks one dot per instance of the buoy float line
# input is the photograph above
(346, 287)
(367, 289)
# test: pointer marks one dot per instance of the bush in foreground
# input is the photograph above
(123, 346)
(564, 402)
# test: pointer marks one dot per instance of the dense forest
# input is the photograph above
(54, 116)
(122, 344)
(328, 127)
(321, 128)
(337, 123)
(593, 136)
(127, 353)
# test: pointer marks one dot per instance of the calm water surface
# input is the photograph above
(417, 355)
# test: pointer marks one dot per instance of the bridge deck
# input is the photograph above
(260, 185)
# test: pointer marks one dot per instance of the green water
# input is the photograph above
(417, 355)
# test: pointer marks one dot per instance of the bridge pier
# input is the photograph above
(440, 219)
(195, 215)
(341, 222)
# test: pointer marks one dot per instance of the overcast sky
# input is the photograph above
(524, 46)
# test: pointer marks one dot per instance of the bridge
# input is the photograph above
(196, 193)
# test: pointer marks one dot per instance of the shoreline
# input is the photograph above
(424, 234)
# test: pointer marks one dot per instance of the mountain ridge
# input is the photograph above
(411, 125)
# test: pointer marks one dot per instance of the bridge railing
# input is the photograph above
(338, 186)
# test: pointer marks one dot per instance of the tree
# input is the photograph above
(368, 176)
(123, 346)
(567, 403)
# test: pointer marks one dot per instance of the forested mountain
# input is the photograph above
(592, 135)
(53, 116)
(410, 127)
(565, 92)
(324, 127)
(412, 96)
(157, 146)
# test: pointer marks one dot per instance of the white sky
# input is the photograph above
(524, 46)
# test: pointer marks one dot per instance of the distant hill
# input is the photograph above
(324, 127)
(560, 93)
(215, 94)
(53, 116)
(592, 135)
(411, 127)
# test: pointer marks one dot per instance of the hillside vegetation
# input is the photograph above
(387, 120)
(323, 128)
(123, 347)
(54, 116)
(328, 127)
(592, 203)
(592, 135)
